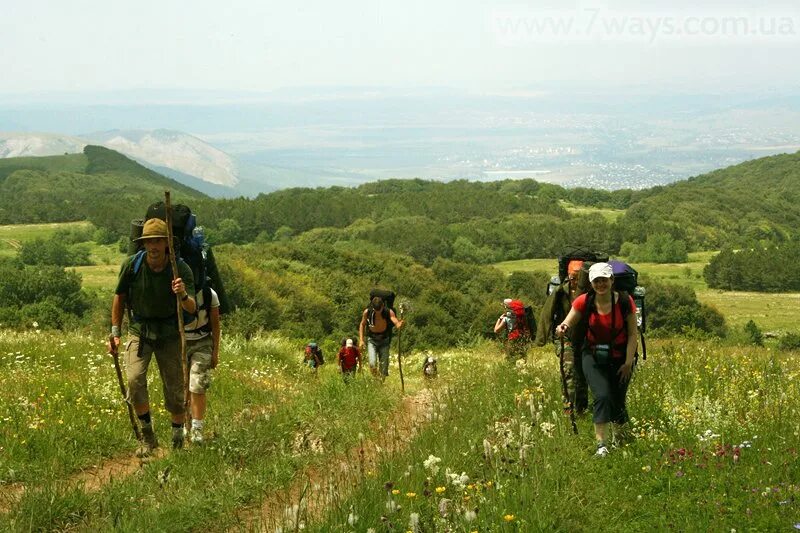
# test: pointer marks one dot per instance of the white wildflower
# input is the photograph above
(413, 522)
(547, 428)
(431, 464)
(470, 515)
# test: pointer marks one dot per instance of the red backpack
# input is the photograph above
(520, 320)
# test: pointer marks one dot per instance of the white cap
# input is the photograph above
(600, 270)
(507, 301)
(349, 343)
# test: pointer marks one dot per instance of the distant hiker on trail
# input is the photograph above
(148, 291)
(518, 334)
(349, 358)
(609, 349)
(377, 322)
(430, 369)
(202, 353)
(312, 356)
(555, 309)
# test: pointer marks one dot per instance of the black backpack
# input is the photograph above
(530, 320)
(576, 254)
(191, 246)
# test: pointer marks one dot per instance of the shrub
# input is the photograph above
(674, 309)
(790, 341)
(753, 333)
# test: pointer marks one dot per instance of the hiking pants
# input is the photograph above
(577, 388)
(609, 394)
(378, 351)
(138, 353)
(198, 352)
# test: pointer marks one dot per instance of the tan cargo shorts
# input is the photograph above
(199, 354)
(168, 356)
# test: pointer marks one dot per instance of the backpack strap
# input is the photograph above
(624, 306)
(136, 267)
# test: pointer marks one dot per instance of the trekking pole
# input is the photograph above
(134, 425)
(565, 388)
(399, 351)
(174, 263)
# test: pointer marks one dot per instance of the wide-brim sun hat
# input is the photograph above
(155, 228)
(600, 270)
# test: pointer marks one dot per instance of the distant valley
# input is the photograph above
(608, 141)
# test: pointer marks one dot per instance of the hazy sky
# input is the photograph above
(263, 45)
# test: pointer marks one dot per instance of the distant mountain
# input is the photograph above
(38, 144)
(174, 150)
(184, 157)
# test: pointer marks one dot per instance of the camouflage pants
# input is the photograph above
(577, 389)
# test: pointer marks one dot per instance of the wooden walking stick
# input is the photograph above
(565, 388)
(134, 425)
(174, 264)
(401, 307)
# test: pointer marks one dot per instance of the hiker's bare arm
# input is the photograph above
(187, 302)
(397, 323)
(573, 317)
(499, 324)
(216, 333)
(117, 310)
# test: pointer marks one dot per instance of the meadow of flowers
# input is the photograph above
(486, 447)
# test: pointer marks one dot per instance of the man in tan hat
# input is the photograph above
(147, 288)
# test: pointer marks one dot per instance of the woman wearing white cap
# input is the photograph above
(609, 350)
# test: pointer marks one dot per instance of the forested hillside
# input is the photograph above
(748, 203)
(755, 201)
(99, 185)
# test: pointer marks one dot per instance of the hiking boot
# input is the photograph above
(602, 451)
(196, 436)
(149, 442)
(177, 438)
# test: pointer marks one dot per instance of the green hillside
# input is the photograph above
(754, 201)
(99, 185)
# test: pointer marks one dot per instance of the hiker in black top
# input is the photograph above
(149, 293)
(609, 349)
(377, 322)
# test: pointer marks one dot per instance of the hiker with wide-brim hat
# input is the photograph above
(147, 289)
(609, 350)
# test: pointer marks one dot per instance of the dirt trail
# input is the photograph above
(314, 490)
(91, 479)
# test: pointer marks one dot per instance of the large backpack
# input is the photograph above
(313, 348)
(388, 304)
(522, 325)
(580, 254)
(626, 279)
(191, 246)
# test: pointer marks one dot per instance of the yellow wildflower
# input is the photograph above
(508, 518)
(440, 490)
(411, 494)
